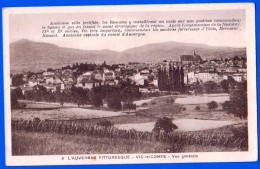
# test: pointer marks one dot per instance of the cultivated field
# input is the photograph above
(229, 138)
(73, 113)
(197, 128)
(34, 143)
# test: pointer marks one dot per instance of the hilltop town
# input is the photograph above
(190, 70)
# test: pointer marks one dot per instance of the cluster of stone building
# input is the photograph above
(191, 69)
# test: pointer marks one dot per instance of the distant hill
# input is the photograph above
(27, 55)
(33, 56)
(173, 50)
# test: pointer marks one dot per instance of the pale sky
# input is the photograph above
(28, 26)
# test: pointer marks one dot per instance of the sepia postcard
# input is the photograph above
(130, 84)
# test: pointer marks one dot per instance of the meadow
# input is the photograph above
(73, 130)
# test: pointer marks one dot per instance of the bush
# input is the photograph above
(153, 102)
(172, 100)
(105, 123)
(144, 104)
(164, 124)
(22, 105)
(197, 107)
(129, 106)
(212, 105)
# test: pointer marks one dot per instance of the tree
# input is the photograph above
(212, 105)
(224, 83)
(14, 100)
(59, 97)
(129, 93)
(129, 107)
(19, 93)
(198, 89)
(96, 98)
(79, 95)
(182, 78)
(177, 81)
(39, 92)
(210, 87)
(29, 74)
(160, 79)
(238, 102)
(228, 84)
(114, 99)
(28, 95)
(17, 80)
(164, 124)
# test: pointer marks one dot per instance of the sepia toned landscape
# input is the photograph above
(186, 101)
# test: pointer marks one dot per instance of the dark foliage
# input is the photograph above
(197, 107)
(80, 95)
(212, 105)
(238, 102)
(127, 106)
(105, 123)
(17, 80)
(19, 93)
(171, 80)
(96, 95)
(210, 87)
(164, 124)
(228, 84)
(113, 98)
(14, 100)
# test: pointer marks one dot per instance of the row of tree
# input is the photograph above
(125, 93)
(171, 79)
(114, 96)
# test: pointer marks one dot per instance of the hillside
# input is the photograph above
(172, 51)
(27, 55)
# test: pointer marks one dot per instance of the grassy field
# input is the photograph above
(162, 107)
(224, 138)
(203, 99)
(167, 107)
(68, 113)
(34, 143)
